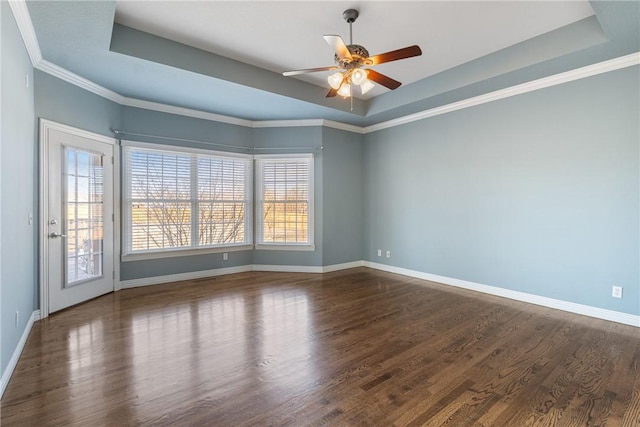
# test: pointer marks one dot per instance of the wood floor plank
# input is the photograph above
(355, 347)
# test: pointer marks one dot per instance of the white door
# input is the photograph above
(79, 222)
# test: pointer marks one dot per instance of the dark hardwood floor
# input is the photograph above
(355, 347)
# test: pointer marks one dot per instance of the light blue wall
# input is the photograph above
(18, 265)
(138, 120)
(311, 139)
(343, 195)
(536, 193)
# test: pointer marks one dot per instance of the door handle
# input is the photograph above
(56, 235)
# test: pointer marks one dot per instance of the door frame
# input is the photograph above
(43, 169)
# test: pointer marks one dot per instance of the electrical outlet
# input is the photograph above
(616, 291)
(379, 252)
(388, 254)
(225, 256)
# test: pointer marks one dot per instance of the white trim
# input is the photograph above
(284, 156)
(344, 126)
(284, 247)
(306, 123)
(586, 310)
(117, 212)
(43, 138)
(43, 208)
(198, 114)
(158, 280)
(27, 31)
(288, 268)
(344, 266)
(566, 77)
(46, 124)
(287, 123)
(13, 362)
(79, 81)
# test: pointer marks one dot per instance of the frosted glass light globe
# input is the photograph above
(366, 86)
(335, 80)
(358, 76)
(345, 90)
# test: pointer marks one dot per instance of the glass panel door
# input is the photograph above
(84, 201)
(78, 212)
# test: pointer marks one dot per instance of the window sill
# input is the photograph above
(175, 253)
(280, 247)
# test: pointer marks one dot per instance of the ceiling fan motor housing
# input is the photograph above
(359, 56)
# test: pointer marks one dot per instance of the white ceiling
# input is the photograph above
(281, 36)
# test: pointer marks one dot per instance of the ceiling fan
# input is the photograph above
(351, 61)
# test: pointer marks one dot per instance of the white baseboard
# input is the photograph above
(13, 362)
(571, 307)
(586, 310)
(308, 269)
(158, 280)
(287, 268)
(345, 266)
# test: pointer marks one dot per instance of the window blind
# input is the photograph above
(285, 196)
(178, 199)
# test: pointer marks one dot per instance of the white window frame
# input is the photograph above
(259, 228)
(128, 255)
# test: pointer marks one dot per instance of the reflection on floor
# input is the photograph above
(357, 347)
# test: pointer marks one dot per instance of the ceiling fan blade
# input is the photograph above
(385, 81)
(332, 92)
(395, 55)
(338, 45)
(309, 70)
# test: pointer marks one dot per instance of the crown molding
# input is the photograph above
(25, 25)
(198, 114)
(28, 32)
(287, 123)
(308, 122)
(557, 79)
(344, 126)
(545, 82)
(79, 81)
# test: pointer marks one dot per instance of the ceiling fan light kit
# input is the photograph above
(352, 58)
